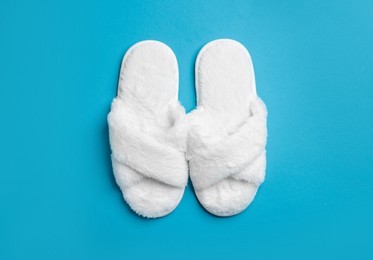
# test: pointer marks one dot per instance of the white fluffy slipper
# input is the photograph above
(148, 147)
(228, 132)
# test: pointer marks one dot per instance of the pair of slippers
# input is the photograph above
(155, 144)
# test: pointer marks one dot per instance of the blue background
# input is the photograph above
(59, 65)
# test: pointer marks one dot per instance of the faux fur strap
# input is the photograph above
(233, 153)
(150, 154)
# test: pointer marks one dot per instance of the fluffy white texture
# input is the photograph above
(228, 132)
(147, 131)
(226, 154)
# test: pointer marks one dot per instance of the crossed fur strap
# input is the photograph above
(240, 155)
(144, 154)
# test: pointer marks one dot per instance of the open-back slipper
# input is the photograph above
(228, 132)
(148, 154)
